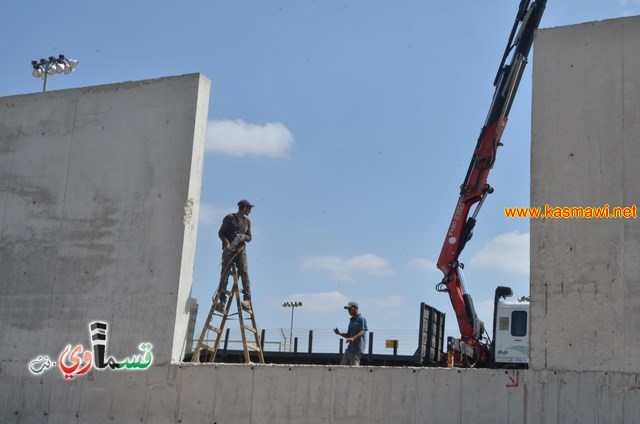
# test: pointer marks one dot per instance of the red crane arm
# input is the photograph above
(474, 189)
(461, 227)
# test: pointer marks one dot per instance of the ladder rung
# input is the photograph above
(212, 328)
(253, 330)
(254, 347)
(207, 347)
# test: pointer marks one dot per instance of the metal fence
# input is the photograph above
(321, 341)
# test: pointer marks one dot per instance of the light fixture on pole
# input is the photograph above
(291, 305)
(52, 66)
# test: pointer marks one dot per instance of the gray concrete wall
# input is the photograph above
(319, 394)
(267, 394)
(99, 195)
(585, 273)
(582, 397)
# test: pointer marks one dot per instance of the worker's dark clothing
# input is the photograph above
(232, 226)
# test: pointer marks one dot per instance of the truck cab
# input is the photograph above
(511, 333)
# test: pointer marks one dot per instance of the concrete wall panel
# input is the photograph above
(584, 272)
(438, 388)
(319, 394)
(197, 397)
(582, 397)
(288, 394)
(400, 403)
(233, 394)
(631, 188)
(99, 195)
(452, 395)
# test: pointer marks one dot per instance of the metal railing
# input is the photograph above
(324, 341)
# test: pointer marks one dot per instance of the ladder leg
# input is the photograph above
(225, 316)
(207, 326)
(234, 297)
(195, 357)
(253, 328)
(236, 290)
(257, 337)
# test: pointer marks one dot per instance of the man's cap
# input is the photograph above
(350, 304)
(244, 203)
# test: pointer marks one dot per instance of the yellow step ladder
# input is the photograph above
(242, 310)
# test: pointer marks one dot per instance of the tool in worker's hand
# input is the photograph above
(234, 244)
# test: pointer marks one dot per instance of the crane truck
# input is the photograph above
(510, 320)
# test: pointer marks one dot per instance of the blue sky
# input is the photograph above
(350, 124)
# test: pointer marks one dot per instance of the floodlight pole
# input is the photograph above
(48, 66)
(293, 306)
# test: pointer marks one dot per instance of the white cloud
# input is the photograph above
(344, 269)
(319, 302)
(212, 214)
(239, 138)
(507, 252)
(424, 264)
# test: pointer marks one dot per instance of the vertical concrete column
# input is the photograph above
(585, 272)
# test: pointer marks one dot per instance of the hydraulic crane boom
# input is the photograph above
(474, 189)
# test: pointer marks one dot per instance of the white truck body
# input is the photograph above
(512, 333)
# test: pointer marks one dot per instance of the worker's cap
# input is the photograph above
(351, 305)
(244, 203)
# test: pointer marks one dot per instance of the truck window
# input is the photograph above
(519, 323)
(503, 324)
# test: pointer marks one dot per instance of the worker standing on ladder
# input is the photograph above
(235, 232)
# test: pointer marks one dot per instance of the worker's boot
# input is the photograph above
(246, 304)
(220, 305)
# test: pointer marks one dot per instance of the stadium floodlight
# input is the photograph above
(291, 305)
(36, 70)
(70, 66)
(52, 66)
